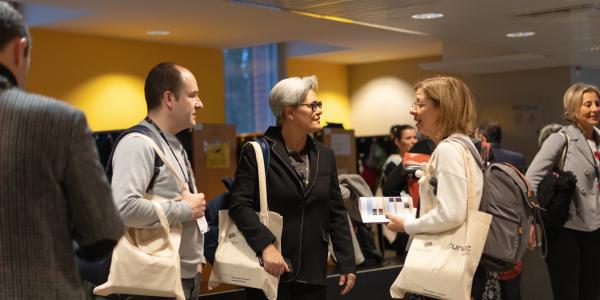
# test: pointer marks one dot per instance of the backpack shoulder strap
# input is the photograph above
(157, 160)
(161, 154)
(470, 148)
(264, 146)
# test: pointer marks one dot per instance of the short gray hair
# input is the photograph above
(290, 91)
(547, 131)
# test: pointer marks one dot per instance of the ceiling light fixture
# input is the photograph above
(427, 16)
(520, 34)
(158, 32)
(591, 49)
(356, 22)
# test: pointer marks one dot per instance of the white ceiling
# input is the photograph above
(471, 37)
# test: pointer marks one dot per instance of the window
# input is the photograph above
(249, 75)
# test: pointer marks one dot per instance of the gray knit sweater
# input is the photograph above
(133, 165)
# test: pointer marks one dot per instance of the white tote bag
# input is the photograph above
(146, 262)
(235, 262)
(442, 265)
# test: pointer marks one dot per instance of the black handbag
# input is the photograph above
(556, 192)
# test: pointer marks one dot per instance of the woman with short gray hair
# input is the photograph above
(302, 186)
(291, 92)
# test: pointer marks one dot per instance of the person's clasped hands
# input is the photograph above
(196, 202)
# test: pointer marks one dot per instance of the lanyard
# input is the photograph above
(162, 135)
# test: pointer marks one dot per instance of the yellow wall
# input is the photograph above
(104, 77)
(333, 88)
(381, 94)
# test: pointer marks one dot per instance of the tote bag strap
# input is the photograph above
(160, 213)
(162, 218)
(563, 156)
(466, 146)
(160, 154)
(262, 184)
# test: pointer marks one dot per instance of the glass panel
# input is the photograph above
(249, 75)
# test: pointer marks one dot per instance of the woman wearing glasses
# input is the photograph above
(302, 186)
(445, 108)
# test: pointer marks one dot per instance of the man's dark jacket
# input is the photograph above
(500, 154)
(310, 215)
(53, 191)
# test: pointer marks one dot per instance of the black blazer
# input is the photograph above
(310, 215)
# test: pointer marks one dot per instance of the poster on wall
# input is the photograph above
(341, 143)
(217, 155)
(526, 113)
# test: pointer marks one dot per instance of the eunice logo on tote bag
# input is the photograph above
(463, 250)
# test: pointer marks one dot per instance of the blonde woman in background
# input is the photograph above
(574, 250)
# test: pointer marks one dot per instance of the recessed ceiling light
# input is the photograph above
(427, 16)
(158, 32)
(591, 49)
(520, 34)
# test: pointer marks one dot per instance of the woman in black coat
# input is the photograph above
(302, 186)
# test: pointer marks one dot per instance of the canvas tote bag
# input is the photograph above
(235, 262)
(442, 265)
(145, 262)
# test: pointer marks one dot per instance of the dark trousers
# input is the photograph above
(511, 289)
(478, 286)
(574, 264)
(292, 291)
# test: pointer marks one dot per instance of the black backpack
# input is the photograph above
(509, 198)
(157, 160)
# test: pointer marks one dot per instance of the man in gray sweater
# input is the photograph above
(172, 100)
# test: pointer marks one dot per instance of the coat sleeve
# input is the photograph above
(545, 159)
(244, 195)
(339, 229)
(95, 222)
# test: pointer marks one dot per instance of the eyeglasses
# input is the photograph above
(417, 106)
(313, 105)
